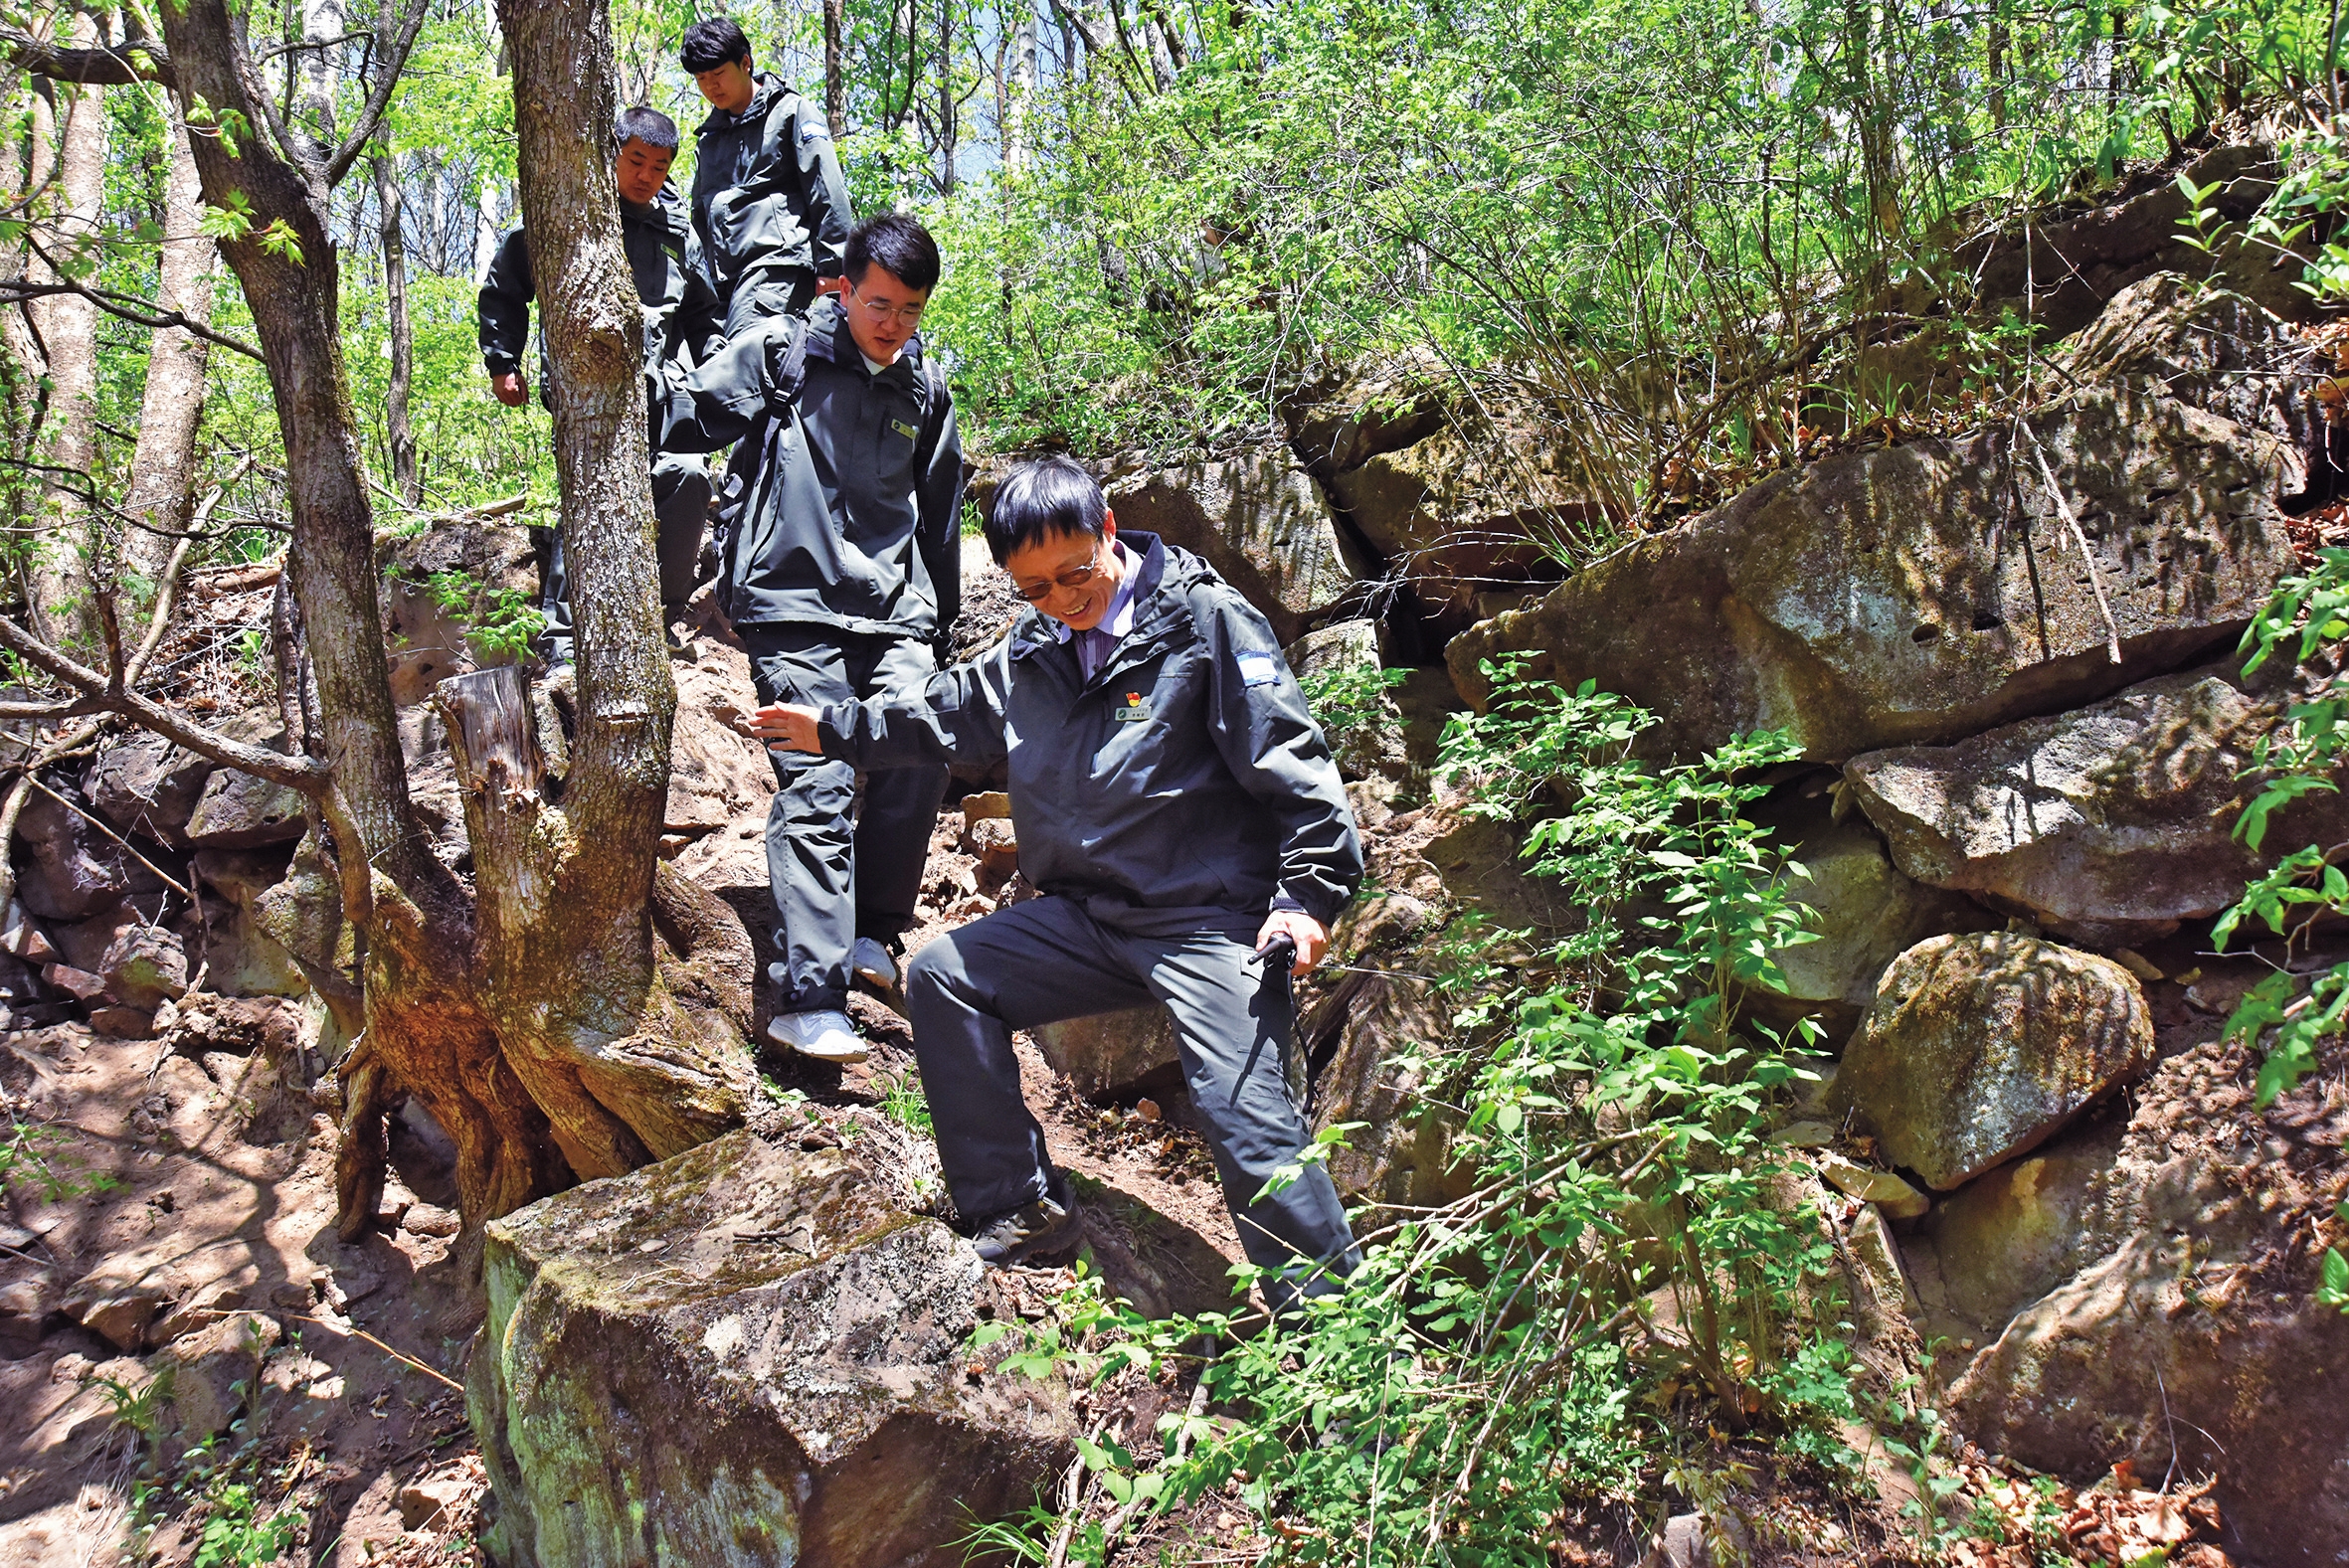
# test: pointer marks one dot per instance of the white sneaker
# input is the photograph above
(826, 1035)
(873, 965)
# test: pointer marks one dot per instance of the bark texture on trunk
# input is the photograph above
(835, 81)
(566, 896)
(67, 328)
(163, 477)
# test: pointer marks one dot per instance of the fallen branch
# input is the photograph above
(2080, 537)
(295, 773)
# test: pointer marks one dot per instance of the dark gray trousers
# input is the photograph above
(837, 870)
(680, 507)
(1046, 960)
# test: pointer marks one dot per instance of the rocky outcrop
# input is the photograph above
(239, 811)
(71, 869)
(1259, 520)
(1467, 511)
(2010, 1235)
(2109, 825)
(1401, 1150)
(1922, 592)
(1864, 915)
(1111, 1055)
(2209, 347)
(747, 1355)
(2193, 1344)
(1979, 1048)
(143, 783)
(428, 641)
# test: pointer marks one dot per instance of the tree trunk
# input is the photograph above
(162, 470)
(67, 328)
(947, 129)
(1019, 86)
(26, 147)
(567, 896)
(835, 81)
(399, 435)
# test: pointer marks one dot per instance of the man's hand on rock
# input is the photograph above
(1310, 934)
(787, 728)
(510, 388)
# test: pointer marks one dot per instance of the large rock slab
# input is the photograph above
(72, 870)
(143, 783)
(2109, 824)
(2013, 1234)
(239, 810)
(1259, 520)
(2210, 347)
(1979, 1048)
(745, 1355)
(1925, 591)
(1471, 509)
(2194, 1338)
(1111, 1055)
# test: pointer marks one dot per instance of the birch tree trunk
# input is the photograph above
(67, 328)
(161, 477)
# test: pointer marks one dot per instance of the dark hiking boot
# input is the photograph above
(1035, 1230)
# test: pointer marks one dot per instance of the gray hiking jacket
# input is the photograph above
(1186, 778)
(767, 195)
(851, 483)
(679, 311)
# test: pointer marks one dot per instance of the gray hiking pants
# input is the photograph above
(1046, 960)
(680, 507)
(837, 870)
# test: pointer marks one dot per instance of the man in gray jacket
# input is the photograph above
(842, 569)
(769, 204)
(1178, 807)
(679, 318)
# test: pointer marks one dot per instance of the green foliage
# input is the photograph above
(238, 1534)
(497, 621)
(1624, 1261)
(33, 1156)
(903, 1103)
(2308, 614)
(1348, 698)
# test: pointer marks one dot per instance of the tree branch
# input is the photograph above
(379, 98)
(141, 59)
(129, 309)
(295, 773)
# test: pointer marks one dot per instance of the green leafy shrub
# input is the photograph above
(1629, 1243)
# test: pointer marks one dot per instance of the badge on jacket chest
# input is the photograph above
(1133, 711)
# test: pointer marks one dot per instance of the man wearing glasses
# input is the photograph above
(843, 571)
(1177, 809)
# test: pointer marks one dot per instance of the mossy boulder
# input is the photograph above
(1980, 1047)
(1922, 592)
(746, 1354)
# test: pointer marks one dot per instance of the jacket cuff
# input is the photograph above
(500, 364)
(833, 728)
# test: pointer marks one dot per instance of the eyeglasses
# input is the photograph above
(1038, 593)
(903, 315)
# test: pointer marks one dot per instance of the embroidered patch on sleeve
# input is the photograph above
(1259, 670)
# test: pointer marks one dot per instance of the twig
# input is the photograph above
(2078, 536)
(347, 1331)
(168, 880)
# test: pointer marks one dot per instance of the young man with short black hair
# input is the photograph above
(679, 316)
(842, 575)
(1179, 810)
(769, 204)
